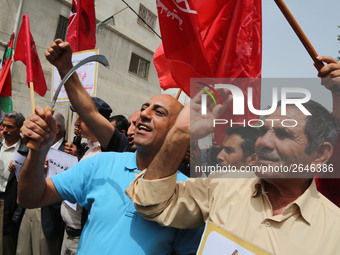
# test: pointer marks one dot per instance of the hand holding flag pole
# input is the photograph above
(27, 53)
(95, 58)
(303, 38)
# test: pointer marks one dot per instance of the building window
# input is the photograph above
(62, 28)
(139, 66)
(147, 16)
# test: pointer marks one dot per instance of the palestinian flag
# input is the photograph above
(6, 104)
(5, 77)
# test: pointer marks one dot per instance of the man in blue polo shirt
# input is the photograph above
(114, 226)
(98, 184)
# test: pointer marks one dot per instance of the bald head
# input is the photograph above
(171, 104)
(157, 116)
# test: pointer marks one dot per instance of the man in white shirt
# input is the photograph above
(10, 130)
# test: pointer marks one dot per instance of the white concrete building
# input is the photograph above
(125, 85)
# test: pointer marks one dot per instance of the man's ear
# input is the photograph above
(251, 160)
(323, 153)
(123, 132)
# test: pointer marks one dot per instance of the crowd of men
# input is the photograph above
(132, 199)
(52, 229)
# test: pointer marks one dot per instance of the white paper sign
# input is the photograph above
(218, 241)
(59, 161)
(87, 74)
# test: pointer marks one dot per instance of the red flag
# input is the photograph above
(81, 31)
(184, 53)
(5, 73)
(215, 39)
(26, 52)
(233, 44)
(211, 38)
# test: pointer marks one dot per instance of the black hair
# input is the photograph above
(121, 122)
(249, 136)
(19, 118)
(320, 127)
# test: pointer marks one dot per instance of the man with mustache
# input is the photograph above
(10, 213)
(281, 212)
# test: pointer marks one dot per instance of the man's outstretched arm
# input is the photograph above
(156, 195)
(177, 141)
(59, 54)
(33, 190)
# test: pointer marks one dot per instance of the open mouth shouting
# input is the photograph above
(143, 128)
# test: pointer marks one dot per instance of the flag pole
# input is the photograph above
(32, 97)
(303, 38)
(69, 125)
(32, 144)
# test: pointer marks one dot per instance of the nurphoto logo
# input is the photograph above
(238, 99)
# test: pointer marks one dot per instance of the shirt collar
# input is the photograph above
(92, 144)
(12, 146)
(257, 187)
(57, 144)
(306, 202)
(130, 163)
